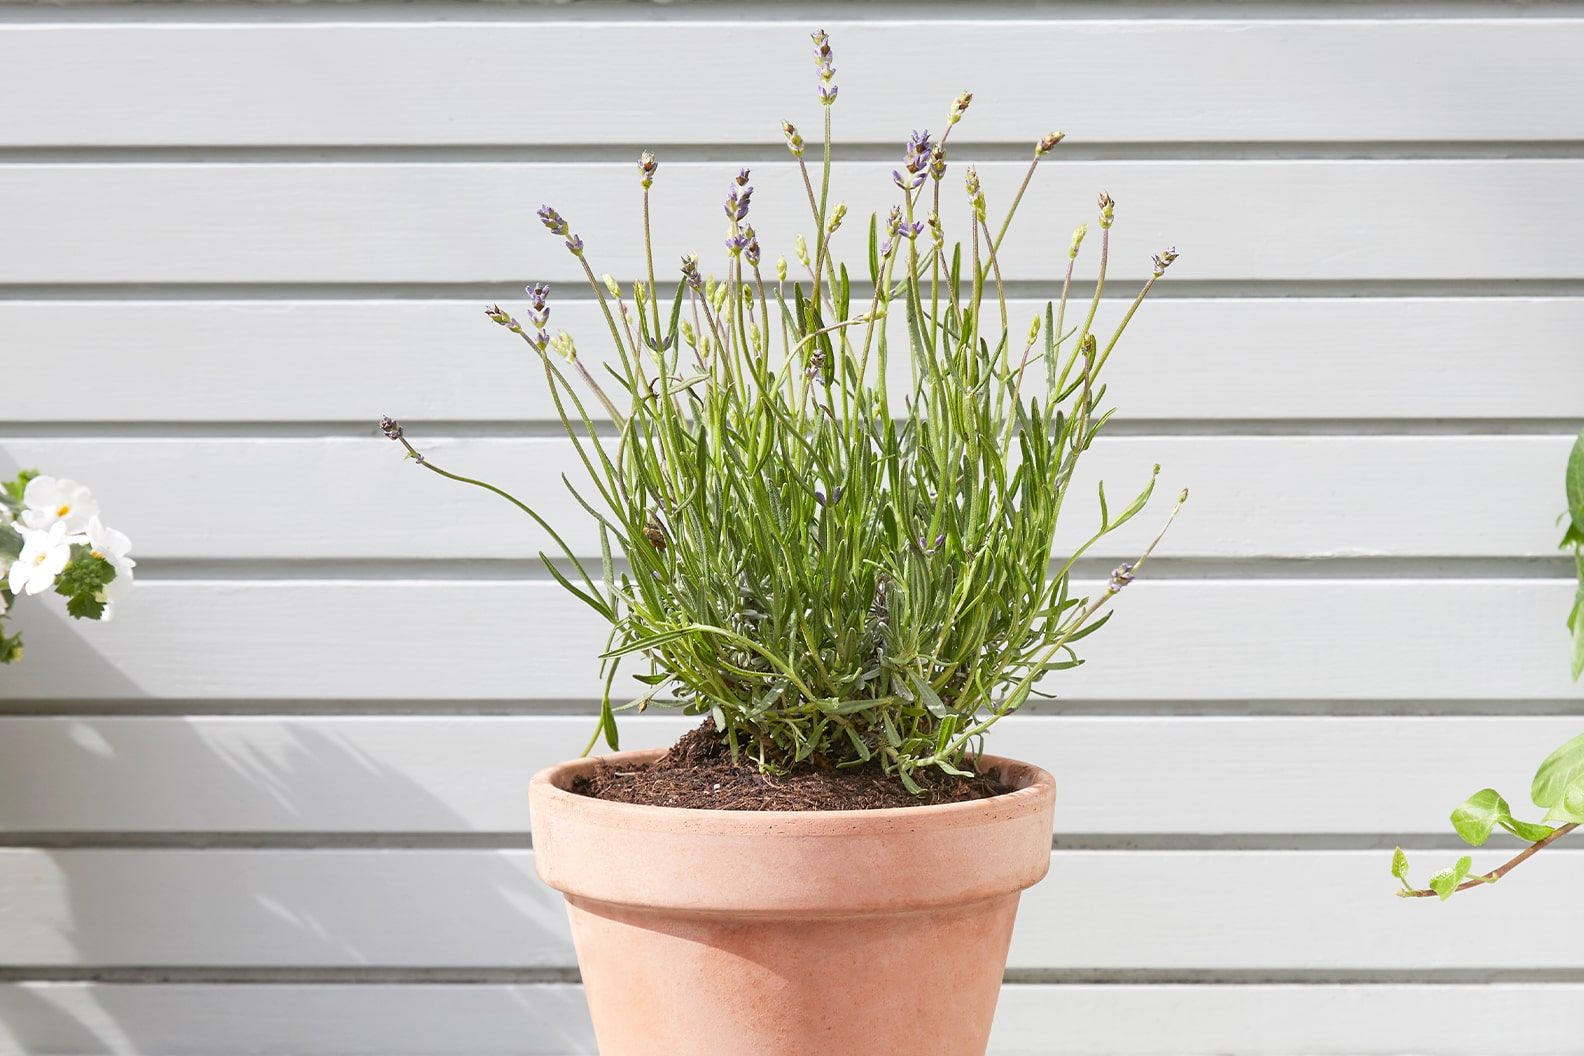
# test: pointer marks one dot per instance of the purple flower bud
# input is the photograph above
(916, 153)
(894, 219)
(742, 177)
(937, 164)
(552, 220)
(538, 304)
(390, 427)
(1121, 577)
(575, 244)
(751, 251)
(736, 244)
(690, 272)
(828, 93)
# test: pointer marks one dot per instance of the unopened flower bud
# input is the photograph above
(837, 217)
(1107, 209)
(646, 168)
(390, 427)
(781, 269)
(975, 194)
(562, 343)
(801, 248)
(1048, 144)
(1077, 240)
(960, 107)
(794, 141)
(1121, 577)
(1163, 260)
(1034, 329)
(690, 272)
(611, 284)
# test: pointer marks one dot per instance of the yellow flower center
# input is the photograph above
(38, 559)
(63, 510)
(95, 553)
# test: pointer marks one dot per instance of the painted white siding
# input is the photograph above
(279, 806)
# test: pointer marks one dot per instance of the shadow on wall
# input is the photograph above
(282, 901)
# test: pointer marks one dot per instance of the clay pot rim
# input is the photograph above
(549, 789)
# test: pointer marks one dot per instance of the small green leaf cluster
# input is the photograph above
(1558, 787)
(840, 566)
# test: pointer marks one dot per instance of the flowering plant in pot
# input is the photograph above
(850, 575)
(52, 540)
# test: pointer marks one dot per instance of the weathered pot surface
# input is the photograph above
(792, 933)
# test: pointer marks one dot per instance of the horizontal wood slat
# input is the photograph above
(595, 83)
(1236, 221)
(1252, 497)
(1189, 775)
(1497, 640)
(1332, 358)
(90, 1019)
(1241, 910)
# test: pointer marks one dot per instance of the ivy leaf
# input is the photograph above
(1483, 811)
(1559, 783)
(1400, 866)
(1575, 483)
(1447, 880)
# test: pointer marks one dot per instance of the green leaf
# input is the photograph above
(10, 541)
(1486, 809)
(15, 488)
(1400, 865)
(1575, 483)
(82, 583)
(1559, 783)
(1446, 881)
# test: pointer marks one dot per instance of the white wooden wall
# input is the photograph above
(279, 805)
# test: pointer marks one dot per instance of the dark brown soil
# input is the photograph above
(698, 771)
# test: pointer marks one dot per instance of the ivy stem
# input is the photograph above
(1501, 870)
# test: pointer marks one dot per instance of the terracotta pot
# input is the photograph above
(792, 933)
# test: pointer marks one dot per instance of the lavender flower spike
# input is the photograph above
(538, 304)
(552, 220)
(690, 272)
(737, 199)
(824, 62)
(390, 427)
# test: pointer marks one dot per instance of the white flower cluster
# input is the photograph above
(55, 516)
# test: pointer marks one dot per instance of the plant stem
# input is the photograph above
(1501, 870)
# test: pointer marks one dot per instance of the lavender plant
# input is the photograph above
(831, 575)
(1558, 785)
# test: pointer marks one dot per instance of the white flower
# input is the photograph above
(113, 546)
(49, 501)
(45, 553)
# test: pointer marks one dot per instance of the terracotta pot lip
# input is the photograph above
(548, 789)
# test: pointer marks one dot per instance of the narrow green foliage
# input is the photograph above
(839, 564)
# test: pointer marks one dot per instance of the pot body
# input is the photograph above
(792, 933)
